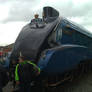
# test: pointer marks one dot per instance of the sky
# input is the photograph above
(14, 14)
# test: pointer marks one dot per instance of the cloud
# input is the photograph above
(15, 13)
(21, 10)
(3, 1)
(9, 32)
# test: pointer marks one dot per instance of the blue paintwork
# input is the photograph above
(44, 60)
(58, 62)
(69, 56)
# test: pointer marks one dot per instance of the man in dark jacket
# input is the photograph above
(36, 19)
(24, 73)
(3, 77)
(0, 83)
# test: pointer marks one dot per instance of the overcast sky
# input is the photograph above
(14, 14)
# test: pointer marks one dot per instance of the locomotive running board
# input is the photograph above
(58, 83)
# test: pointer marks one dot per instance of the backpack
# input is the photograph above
(26, 73)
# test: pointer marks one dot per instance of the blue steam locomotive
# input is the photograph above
(55, 44)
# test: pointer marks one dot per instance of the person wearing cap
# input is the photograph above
(24, 73)
(36, 19)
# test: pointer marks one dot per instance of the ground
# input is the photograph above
(80, 84)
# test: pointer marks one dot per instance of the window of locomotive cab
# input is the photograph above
(68, 30)
(68, 35)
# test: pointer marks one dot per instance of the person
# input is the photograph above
(37, 22)
(3, 77)
(0, 81)
(12, 67)
(36, 19)
(24, 73)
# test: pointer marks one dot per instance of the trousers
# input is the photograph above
(25, 88)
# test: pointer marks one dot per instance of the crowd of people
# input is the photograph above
(21, 73)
